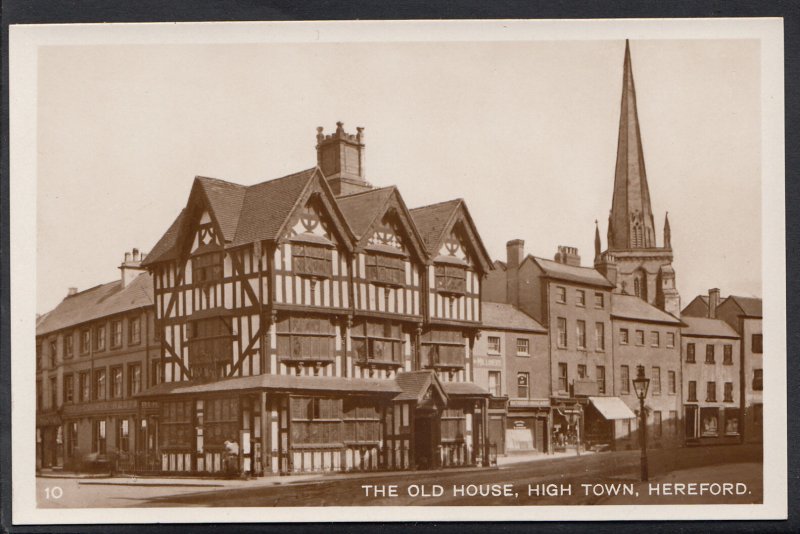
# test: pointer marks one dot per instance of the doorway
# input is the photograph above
(427, 432)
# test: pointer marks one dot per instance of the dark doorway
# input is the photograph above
(691, 421)
(426, 439)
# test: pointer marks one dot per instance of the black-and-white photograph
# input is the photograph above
(293, 269)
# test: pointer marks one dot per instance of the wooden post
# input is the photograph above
(265, 441)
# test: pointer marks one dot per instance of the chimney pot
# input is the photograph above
(568, 256)
(127, 257)
(72, 291)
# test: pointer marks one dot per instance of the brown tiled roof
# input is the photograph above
(562, 271)
(470, 389)
(705, 327)
(702, 301)
(100, 301)
(751, 306)
(361, 209)
(431, 221)
(501, 316)
(225, 199)
(165, 247)
(633, 308)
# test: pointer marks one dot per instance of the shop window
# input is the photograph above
(523, 346)
(562, 332)
(711, 392)
(581, 333)
(134, 330)
(176, 428)
(451, 279)
(625, 380)
(116, 382)
(655, 381)
(731, 421)
(116, 334)
(523, 385)
(384, 269)
(443, 348)
(758, 379)
(311, 260)
(86, 341)
(581, 298)
(563, 377)
(600, 336)
(494, 344)
(220, 422)
(495, 386)
(710, 353)
(378, 342)
(672, 382)
(692, 393)
(100, 338)
(100, 384)
(601, 379)
(727, 355)
(728, 392)
(757, 343)
(85, 386)
(69, 389)
(657, 429)
(709, 421)
(99, 436)
(207, 268)
(134, 379)
(306, 339)
(690, 353)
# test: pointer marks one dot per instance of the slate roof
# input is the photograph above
(431, 221)
(361, 209)
(633, 308)
(165, 247)
(751, 306)
(414, 384)
(502, 316)
(100, 301)
(705, 327)
(569, 273)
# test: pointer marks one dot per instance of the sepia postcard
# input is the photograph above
(403, 270)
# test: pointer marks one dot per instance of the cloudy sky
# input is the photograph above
(525, 132)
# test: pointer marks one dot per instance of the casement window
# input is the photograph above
(495, 386)
(494, 344)
(728, 392)
(207, 268)
(377, 342)
(640, 337)
(523, 385)
(134, 379)
(312, 338)
(710, 353)
(316, 420)
(600, 336)
(69, 389)
(623, 336)
(134, 330)
(53, 393)
(451, 279)
(116, 382)
(625, 380)
(100, 338)
(692, 393)
(581, 333)
(561, 294)
(523, 346)
(384, 269)
(655, 339)
(443, 348)
(53, 353)
(690, 353)
(671, 385)
(123, 435)
(657, 429)
(711, 392)
(599, 300)
(361, 421)
(757, 343)
(220, 422)
(99, 436)
(727, 355)
(86, 341)
(68, 340)
(601, 379)
(758, 379)
(670, 340)
(176, 426)
(581, 371)
(563, 377)
(210, 345)
(85, 387)
(116, 334)
(580, 298)
(655, 381)
(99, 384)
(562, 332)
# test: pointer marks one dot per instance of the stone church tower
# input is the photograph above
(633, 260)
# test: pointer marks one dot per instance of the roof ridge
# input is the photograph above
(367, 192)
(292, 175)
(218, 180)
(437, 204)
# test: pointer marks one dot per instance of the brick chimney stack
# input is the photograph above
(515, 253)
(131, 266)
(340, 156)
(568, 256)
(713, 302)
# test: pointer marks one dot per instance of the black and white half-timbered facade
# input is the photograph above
(319, 323)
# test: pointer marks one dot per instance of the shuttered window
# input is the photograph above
(385, 269)
(451, 279)
(311, 260)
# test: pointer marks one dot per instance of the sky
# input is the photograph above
(525, 132)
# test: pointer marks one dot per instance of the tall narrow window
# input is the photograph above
(758, 379)
(600, 336)
(100, 384)
(53, 393)
(672, 382)
(690, 353)
(116, 382)
(670, 340)
(640, 337)
(601, 380)
(99, 436)
(116, 334)
(86, 341)
(494, 383)
(656, 381)
(134, 379)
(523, 387)
(655, 340)
(728, 392)
(710, 353)
(68, 339)
(135, 330)
(69, 389)
(561, 294)
(657, 429)
(100, 338)
(711, 392)
(692, 393)
(563, 379)
(562, 332)
(625, 380)
(727, 355)
(757, 343)
(85, 385)
(580, 299)
(581, 334)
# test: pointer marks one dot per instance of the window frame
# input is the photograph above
(563, 377)
(599, 300)
(711, 353)
(497, 389)
(69, 388)
(491, 348)
(655, 338)
(561, 295)
(601, 379)
(727, 354)
(69, 345)
(580, 334)
(670, 343)
(113, 392)
(580, 299)
(600, 336)
(100, 393)
(624, 336)
(758, 380)
(525, 350)
(691, 393)
(98, 335)
(640, 340)
(655, 380)
(691, 353)
(135, 334)
(672, 382)
(711, 391)
(757, 347)
(85, 342)
(562, 339)
(130, 381)
(524, 376)
(727, 392)
(625, 379)
(116, 342)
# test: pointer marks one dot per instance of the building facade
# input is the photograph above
(319, 323)
(96, 351)
(512, 362)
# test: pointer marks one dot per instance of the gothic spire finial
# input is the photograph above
(667, 232)
(597, 244)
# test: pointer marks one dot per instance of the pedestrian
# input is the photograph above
(231, 457)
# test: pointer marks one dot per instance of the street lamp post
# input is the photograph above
(640, 385)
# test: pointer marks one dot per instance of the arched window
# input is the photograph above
(637, 289)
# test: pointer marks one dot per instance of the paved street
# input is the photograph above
(543, 482)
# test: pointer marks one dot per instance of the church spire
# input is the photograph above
(667, 232)
(631, 221)
(597, 244)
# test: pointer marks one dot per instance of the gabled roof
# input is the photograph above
(500, 316)
(698, 307)
(414, 384)
(100, 301)
(705, 327)
(570, 273)
(750, 306)
(433, 222)
(635, 309)
(225, 202)
(166, 247)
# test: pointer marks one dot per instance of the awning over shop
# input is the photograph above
(612, 408)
